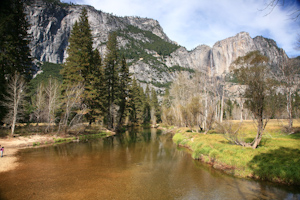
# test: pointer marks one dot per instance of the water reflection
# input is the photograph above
(139, 164)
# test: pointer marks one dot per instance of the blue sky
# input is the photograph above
(194, 22)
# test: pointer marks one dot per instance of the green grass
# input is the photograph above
(92, 136)
(277, 158)
(36, 144)
(63, 140)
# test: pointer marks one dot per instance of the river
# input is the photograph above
(142, 164)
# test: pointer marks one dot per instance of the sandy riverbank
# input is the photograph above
(11, 146)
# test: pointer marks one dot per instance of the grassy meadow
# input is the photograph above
(276, 159)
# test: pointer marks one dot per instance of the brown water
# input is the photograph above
(139, 165)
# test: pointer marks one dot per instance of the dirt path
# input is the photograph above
(11, 146)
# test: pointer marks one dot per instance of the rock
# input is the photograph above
(217, 60)
(51, 25)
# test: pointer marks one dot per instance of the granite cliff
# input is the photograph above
(217, 59)
(151, 55)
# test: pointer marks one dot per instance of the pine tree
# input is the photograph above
(80, 53)
(155, 107)
(14, 40)
(123, 94)
(147, 109)
(83, 67)
(112, 78)
(136, 103)
(94, 93)
(141, 106)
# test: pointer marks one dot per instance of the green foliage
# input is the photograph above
(178, 138)
(177, 68)
(162, 85)
(147, 105)
(83, 66)
(123, 92)
(49, 70)
(14, 45)
(92, 136)
(62, 140)
(136, 103)
(36, 144)
(14, 41)
(155, 106)
(139, 48)
(112, 68)
(259, 92)
(94, 92)
(148, 41)
(231, 77)
(80, 52)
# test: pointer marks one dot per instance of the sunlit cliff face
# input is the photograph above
(51, 26)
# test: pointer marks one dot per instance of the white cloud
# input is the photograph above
(195, 22)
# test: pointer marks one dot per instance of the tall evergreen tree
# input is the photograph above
(112, 62)
(94, 93)
(147, 109)
(155, 106)
(136, 103)
(80, 53)
(14, 40)
(123, 92)
(83, 67)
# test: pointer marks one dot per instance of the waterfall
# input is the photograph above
(211, 62)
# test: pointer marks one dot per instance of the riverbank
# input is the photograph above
(276, 159)
(12, 145)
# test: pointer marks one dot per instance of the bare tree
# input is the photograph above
(194, 109)
(288, 77)
(73, 108)
(273, 3)
(295, 13)
(51, 101)
(38, 101)
(192, 102)
(13, 100)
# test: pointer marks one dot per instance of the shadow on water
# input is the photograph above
(282, 162)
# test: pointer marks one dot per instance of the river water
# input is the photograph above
(142, 164)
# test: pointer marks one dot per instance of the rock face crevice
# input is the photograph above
(51, 25)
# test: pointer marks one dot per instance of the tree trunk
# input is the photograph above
(259, 134)
(222, 105)
(289, 108)
(205, 111)
(242, 110)
(121, 115)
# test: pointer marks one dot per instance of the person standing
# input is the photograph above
(2, 149)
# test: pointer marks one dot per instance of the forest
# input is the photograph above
(85, 89)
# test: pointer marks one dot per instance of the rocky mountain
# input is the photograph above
(151, 55)
(217, 60)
